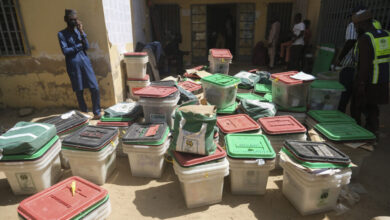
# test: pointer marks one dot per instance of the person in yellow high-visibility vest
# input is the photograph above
(371, 82)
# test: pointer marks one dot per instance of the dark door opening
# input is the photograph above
(281, 11)
(221, 26)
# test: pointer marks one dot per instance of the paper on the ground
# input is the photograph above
(67, 115)
(340, 209)
(314, 136)
(202, 73)
(191, 71)
(303, 76)
(355, 145)
(169, 78)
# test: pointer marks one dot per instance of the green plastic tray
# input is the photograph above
(249, 96)
(91, 209)
(268, 97)
(221, 80)
(314, 165)
(294, 109)
(263, 88)
(104, 118)
(324, 58)
(228, 110)
(153, 143)
(336, 131)
(327, 84)
(322, 116)
(243, 145)
(36, 155)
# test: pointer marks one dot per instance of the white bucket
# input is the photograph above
(202, 184)
(102, 212)
(136, 66)
(135, 85)
(95, 166)
(159, 110)
(219, 66)
(30, 177)
(248, 176)
(64, 162)
(310, 193)
(146, 161)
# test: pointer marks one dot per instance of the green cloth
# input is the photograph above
(263, 88)
(26, 138)
(264, 77)
(257, 109)
(327, 84)
(194, 130)
(248, 80)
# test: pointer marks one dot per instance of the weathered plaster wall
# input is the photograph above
(40, 79)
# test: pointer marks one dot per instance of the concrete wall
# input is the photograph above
(40, 79)
(313, 14)
(138, 11)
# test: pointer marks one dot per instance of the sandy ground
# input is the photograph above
(144, 198)
(139, 198)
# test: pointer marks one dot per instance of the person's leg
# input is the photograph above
(282, 48)
(346, 78)
(299, 55)
(271, 54)
(288, 52)
(292, 64)
(372, 118)
(81, 101)
(95, 96)
(355, 109)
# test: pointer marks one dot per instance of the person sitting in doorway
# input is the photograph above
(297, 44)
(273, 39)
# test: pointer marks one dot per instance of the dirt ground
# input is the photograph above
(144, 198)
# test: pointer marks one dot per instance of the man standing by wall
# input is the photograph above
(297, 47)
(273, 39)
(74, 43)
(371, 84)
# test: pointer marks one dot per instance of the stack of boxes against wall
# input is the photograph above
(250, 143)
(136, 64)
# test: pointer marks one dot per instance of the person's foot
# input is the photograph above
(97, 117)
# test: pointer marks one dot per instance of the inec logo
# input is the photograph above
(383, 44)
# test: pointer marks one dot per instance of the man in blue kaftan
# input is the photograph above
(74, 43)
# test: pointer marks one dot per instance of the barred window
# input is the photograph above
(334, 18)
(11, 35)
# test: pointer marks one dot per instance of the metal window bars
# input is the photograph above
(13, 40)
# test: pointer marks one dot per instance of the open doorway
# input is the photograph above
(221, 26)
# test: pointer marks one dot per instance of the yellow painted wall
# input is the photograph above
(185, 21)
(40, 79)
(313, 14)
(118, 70)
